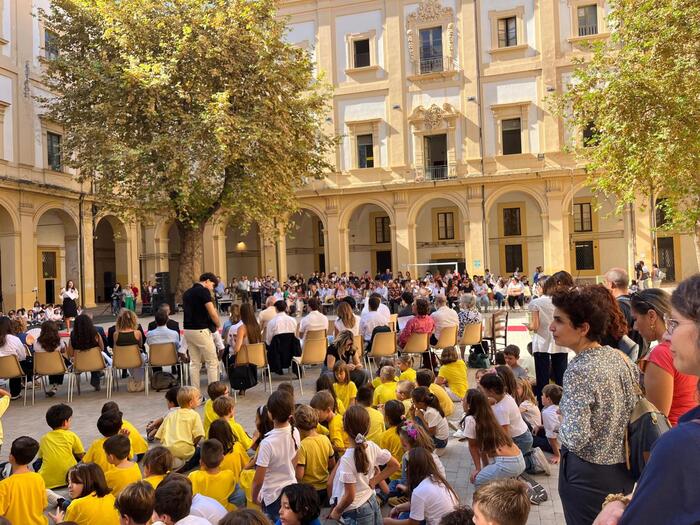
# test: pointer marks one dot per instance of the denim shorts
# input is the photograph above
(503, 467)
(368, 513)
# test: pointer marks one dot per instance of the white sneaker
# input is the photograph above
(540, 460)
(458, 434)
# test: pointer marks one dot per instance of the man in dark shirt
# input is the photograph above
(172, 324)
(200, 320)
(617, 281)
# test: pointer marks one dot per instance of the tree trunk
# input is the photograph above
(696, 238)
(191, 257)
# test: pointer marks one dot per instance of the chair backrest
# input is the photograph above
(9, 367)
(315, 335)
(127, 357)
(383, 344)
(88, 360)
(448, 337)
(393, 322)
(49, 363)
(357, 343)
(331, 326)
(499, 323)
(252, 354)
(162, 354)
(314, 351)
(417, 343)
(472, 334)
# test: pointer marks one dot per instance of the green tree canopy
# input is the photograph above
(186, 108)
(640, 92)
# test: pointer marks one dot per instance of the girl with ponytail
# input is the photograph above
(427, 412)
(358, 473)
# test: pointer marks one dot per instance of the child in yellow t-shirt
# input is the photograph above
(389, 439)
(215, 391)
(316, 458)
(405, 364)
(211, 480)
(23, 494)
(384, 361)
(91, 499)
(452, 374)
(325, 382)
(225, 408)
(60, 448)
(4, 404)
(403, 393)
(109, 424)
(330, 423)
(138, 443)
(235, 457)
(345, 390)
(376, 418)
(136, 503)
(386, 390)
(157, 462)
(182, 428)
(124, 472)
(425, 377)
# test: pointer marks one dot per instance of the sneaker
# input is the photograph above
(539, 461)
(52, 391)
(535, 492)
(398, 500)
(459, 435)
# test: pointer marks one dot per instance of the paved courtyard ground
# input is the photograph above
(139, 409)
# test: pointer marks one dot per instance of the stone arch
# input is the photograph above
(9, 257)
(425, 199)
(58, 250)
(306, 242)
(496, 194)
(362, 250)
(571, 193)
(350, 208)
(110, 255)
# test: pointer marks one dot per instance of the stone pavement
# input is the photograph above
(139, 409)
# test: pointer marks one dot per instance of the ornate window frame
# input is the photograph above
(516, 50)
(603, 30)
(510, 110)
(350, 39)
(435, 120)
(3, 106)
(430, 13)
(364, 127)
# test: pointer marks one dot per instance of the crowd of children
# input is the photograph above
(350, 449)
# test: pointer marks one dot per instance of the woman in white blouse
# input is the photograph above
(347, 320)
(10, 344)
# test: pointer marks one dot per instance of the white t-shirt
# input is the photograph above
(439, 465)
(551, 420)
(341, 327)
(207, 508)
(13, 346)
(347, 473)
(434, 419)
(507, 413)
(314, 321)
(276, 452)
(542, 339)
(531, 414)
(430, 501)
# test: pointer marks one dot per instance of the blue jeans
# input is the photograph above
(272, 510)
(524, 443)
(406, 515)
(368, 513)
(439, 443)
(237, 497)
(503, 467)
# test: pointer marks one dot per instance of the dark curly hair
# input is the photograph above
(49, 338)
(595, 305)
(84, 334)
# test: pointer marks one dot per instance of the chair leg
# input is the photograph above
(145, 378)
(269, 376)
(33, 388)
(26, 390)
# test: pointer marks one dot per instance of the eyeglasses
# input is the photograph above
(672, 324)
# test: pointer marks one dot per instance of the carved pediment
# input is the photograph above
(428, 11)
(434, 117)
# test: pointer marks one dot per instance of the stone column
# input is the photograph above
(335, 239)
(214, 244)
(555, 242)
(477, 254)
(25, 259)
(404, 249)
(11, 248)
(282, 253)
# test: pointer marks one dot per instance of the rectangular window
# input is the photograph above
(584, 255)
(446, 226)
(53, 146)
(510, 136)
(382, 230)
(587, 20)
(514, 257)
(48, 265)
(361, 48)
(582, 217)
(507, 32)
(321, 240)
(660, 213)
(50, 45)
(511, 222)
(365, 151)
(431, 50)
(435, 151)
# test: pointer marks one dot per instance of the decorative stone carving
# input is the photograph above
(431, 12)
(435, 117)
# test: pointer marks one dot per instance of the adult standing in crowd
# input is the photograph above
(617, 280)
(599, 395)
(199, 321)
(667, 490)
(671, 391)
(70, 306)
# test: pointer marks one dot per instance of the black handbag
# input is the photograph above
(243, 377)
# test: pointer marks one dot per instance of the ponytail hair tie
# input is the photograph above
(360, 438)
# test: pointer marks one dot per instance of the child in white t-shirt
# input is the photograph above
(274, 465)
(427, 411)
(547, 435)
(527, 403)
(357, 472)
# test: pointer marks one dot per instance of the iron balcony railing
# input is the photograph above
(431, 65)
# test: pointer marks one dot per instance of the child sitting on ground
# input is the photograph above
(124, 472)
(325, 382)
(330, 423)
(316, 458)
(138, 444)
(384, 361)
(92, 501)
(386, 390)
(157, 462)
(153, 426)
(60, 449)
(460, 516)
(225, 408)
(502, 502)
(389, 439)
(547, 435)
(527, 403)
(452, 374)
(135, 504)
(426, 410)
(216, 390)
(182, 429)
(235, 457)
(300, 504)
(23, 494)
(405, 364)
(211, 480)
(376, 418)
(425, 378)
(512, 354)
(345, 390)
(109, 424)
(404, 389)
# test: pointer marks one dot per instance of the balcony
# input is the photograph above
(588, 30)
(435, 173)
(431, 65)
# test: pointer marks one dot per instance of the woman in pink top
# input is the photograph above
(420, 323)
(672, 392)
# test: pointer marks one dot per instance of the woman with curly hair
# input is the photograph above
(50, 341)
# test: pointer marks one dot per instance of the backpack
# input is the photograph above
(163, 381)
(645, 426)
(478, 359)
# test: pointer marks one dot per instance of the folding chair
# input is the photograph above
(418, 344)
(383, 345)
(165, 354)
(312, 353)
(255, 354)
(47, 364)
(128, 357)
(394, 322)
(85, 361)
(497, 330)
(10, 369)
(471, 336)
(448, 337)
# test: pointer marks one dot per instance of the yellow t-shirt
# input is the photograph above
(390, 440)
(339, 438)
(456, 376)
(179, 430)
(210, 416)
(138, 444)
(345, 392)
(314, 453)
(378, 381)
(91, 509)
(236, 460)
(376, 424)
(4, 403)
(217, 486)
(23, 499)
(383, 393)
(407, 404)
(408, 375)
(96, 454)
(57, 449)
(445, 402)
(118, 478)
(341, 406)
(155, 479)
